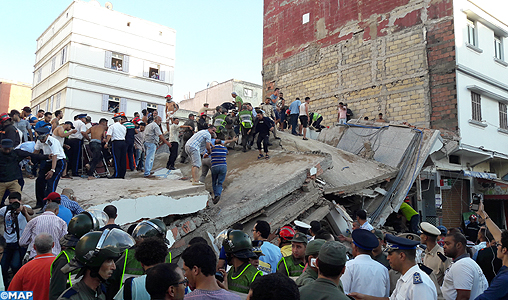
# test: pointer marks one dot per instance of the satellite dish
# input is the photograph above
(109, 5)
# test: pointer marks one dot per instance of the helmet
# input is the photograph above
(82, 223)
(286, 233)
(99, 217)
(473, 218)
(152, 227)
(96, 247)
(236, 241)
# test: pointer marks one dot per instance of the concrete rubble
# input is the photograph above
(305, 180)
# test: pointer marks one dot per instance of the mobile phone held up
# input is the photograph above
(475, 201)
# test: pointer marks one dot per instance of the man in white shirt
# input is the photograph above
(152, 135)
(116, 134)
(464, 279)
(363, 274)
(51, 170)
(174, 139)
(361, 217)
(75, 142)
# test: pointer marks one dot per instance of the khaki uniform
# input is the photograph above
(322, 288)
(308, 276)
(80, 291)
(433, 261)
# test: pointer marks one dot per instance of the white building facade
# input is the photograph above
(98, 61)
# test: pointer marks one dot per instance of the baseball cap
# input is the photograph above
(190, 115)
(333, 253)
(69, 123)
(314, 246)
(168, 96)
(27, 109)
(53, 196)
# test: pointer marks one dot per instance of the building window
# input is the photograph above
(113, 104)
(58, 98)
(471, 32)
(63, 59)
(154, 73)
(53, 64)
(39, 75)
(476, 101)
(503, 120)
(498, 45)
(117, 61)
(247, 92)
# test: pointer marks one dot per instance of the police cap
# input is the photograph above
(364, 239)
(314, 246)
(299, 238)
(333, 253)
(399, 243)
(42, 130)
(429, 229)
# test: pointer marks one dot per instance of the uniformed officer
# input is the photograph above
(78, 226)
(311, 254)
(286, 234)
(414, 283)
(238, 247)
(434, 254)
(116, 134)
(293, 265)
(96, 253)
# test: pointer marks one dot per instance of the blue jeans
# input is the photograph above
(140, 159)
(218, 176)
(13, 254)
(150, 156)
(294, 123)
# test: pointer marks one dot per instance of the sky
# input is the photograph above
(216, 40)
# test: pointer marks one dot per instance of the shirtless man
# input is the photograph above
(60, 133)
(98, 134)
(56, 120)
(171, 109)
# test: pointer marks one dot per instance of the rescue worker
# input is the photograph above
(286, 234)
(293, 265)
(96, 253)
(246, 122)
(238, 101)
(79, 225)
(75, 142)
(434, 254)
(219, 121)
(238, 247)
(315, 121)
(116, 133)
(311, 254)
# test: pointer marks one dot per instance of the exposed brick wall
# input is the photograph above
(455, 202)
(369, 54)
(5, 92)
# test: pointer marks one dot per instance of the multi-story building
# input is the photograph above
(98, 61)
(437, 64)
(219, 93)
(14, 95)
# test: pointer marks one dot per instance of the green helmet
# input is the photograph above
(239, 244)
(82, 223)
(149, 228)
(95, 247)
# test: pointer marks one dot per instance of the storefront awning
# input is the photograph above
(480, 175)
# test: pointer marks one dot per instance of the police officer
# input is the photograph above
(238, 247)
(219, 121)
(434, 254)
(96, 253)
(311, 254)
(116, 134)
(414, 283)
(78, 226)
(246, 123)
(293, 264)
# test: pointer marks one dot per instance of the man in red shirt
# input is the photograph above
(35, 275)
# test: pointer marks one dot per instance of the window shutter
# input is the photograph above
(64, 55)
(144, 105)
(126, 63)
(160, 110)
(107, 61)
(53, 64)
(58, 97)
(105, 99)
(145, 74)
(51, 104)
(123, 104)
(47, 104)
(162, 76)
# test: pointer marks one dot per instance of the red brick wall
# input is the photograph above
(455, 202)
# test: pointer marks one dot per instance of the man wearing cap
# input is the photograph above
(8, 130)
(303, 228)
(51, 170)
(272, 254)
(330, 263)
(63, 212)
(238, 101)
(363, 274)
(311, 254)
(434, 255)
(414, 283)
(377, 253)
(116, 134)
(63, 131)
(75, 141)
(293, 264)
(26, 114)
(286, 234)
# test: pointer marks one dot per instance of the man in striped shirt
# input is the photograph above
(47, 222)
(219, 169)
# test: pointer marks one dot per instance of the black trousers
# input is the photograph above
(119, 149)
(245, 136)
(96, 149)
(74, 155)
(264, 139)
(317, 124)
(42, 186)
(184, 155)
(173, 153)
(130, 155)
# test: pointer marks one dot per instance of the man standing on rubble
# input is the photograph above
(152, 135)
(195, 147)
(97, 136)
(293, 264)
(246, 124)
(263, 126)
(116, 134)
(411, 215)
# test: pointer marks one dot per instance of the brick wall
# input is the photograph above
(371, 55)
(455, 202)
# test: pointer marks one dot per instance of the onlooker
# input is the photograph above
(47, 222)
(22, 125)
(269, 111)
(315, 227)
(330, 263)
(46, 122)
(116, 134)
(272, 254)
(342, 115)
(96, 133)
(273, 287)
(361, 217)
(129, 142)
(205, 109)
(15, 220)
(380, 118)
(202, 122)
(56, 120)
(349, 113)
(75, 142)
(304, 117)
(190, 126)
(166, 281)
(35, 275)
(152, 135)
(199, 263)
(481, 240)
(377, 253)
(294, 109)
(487, 259)
(63, 212)
(263, 126)
(311, 254)
(111, 211)
(9, 167)
(472, 228)
(219, 169)
(174, 139)
(139, 146)
(26, 114)
(9, 131)
(69, 200)
(195, 147)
